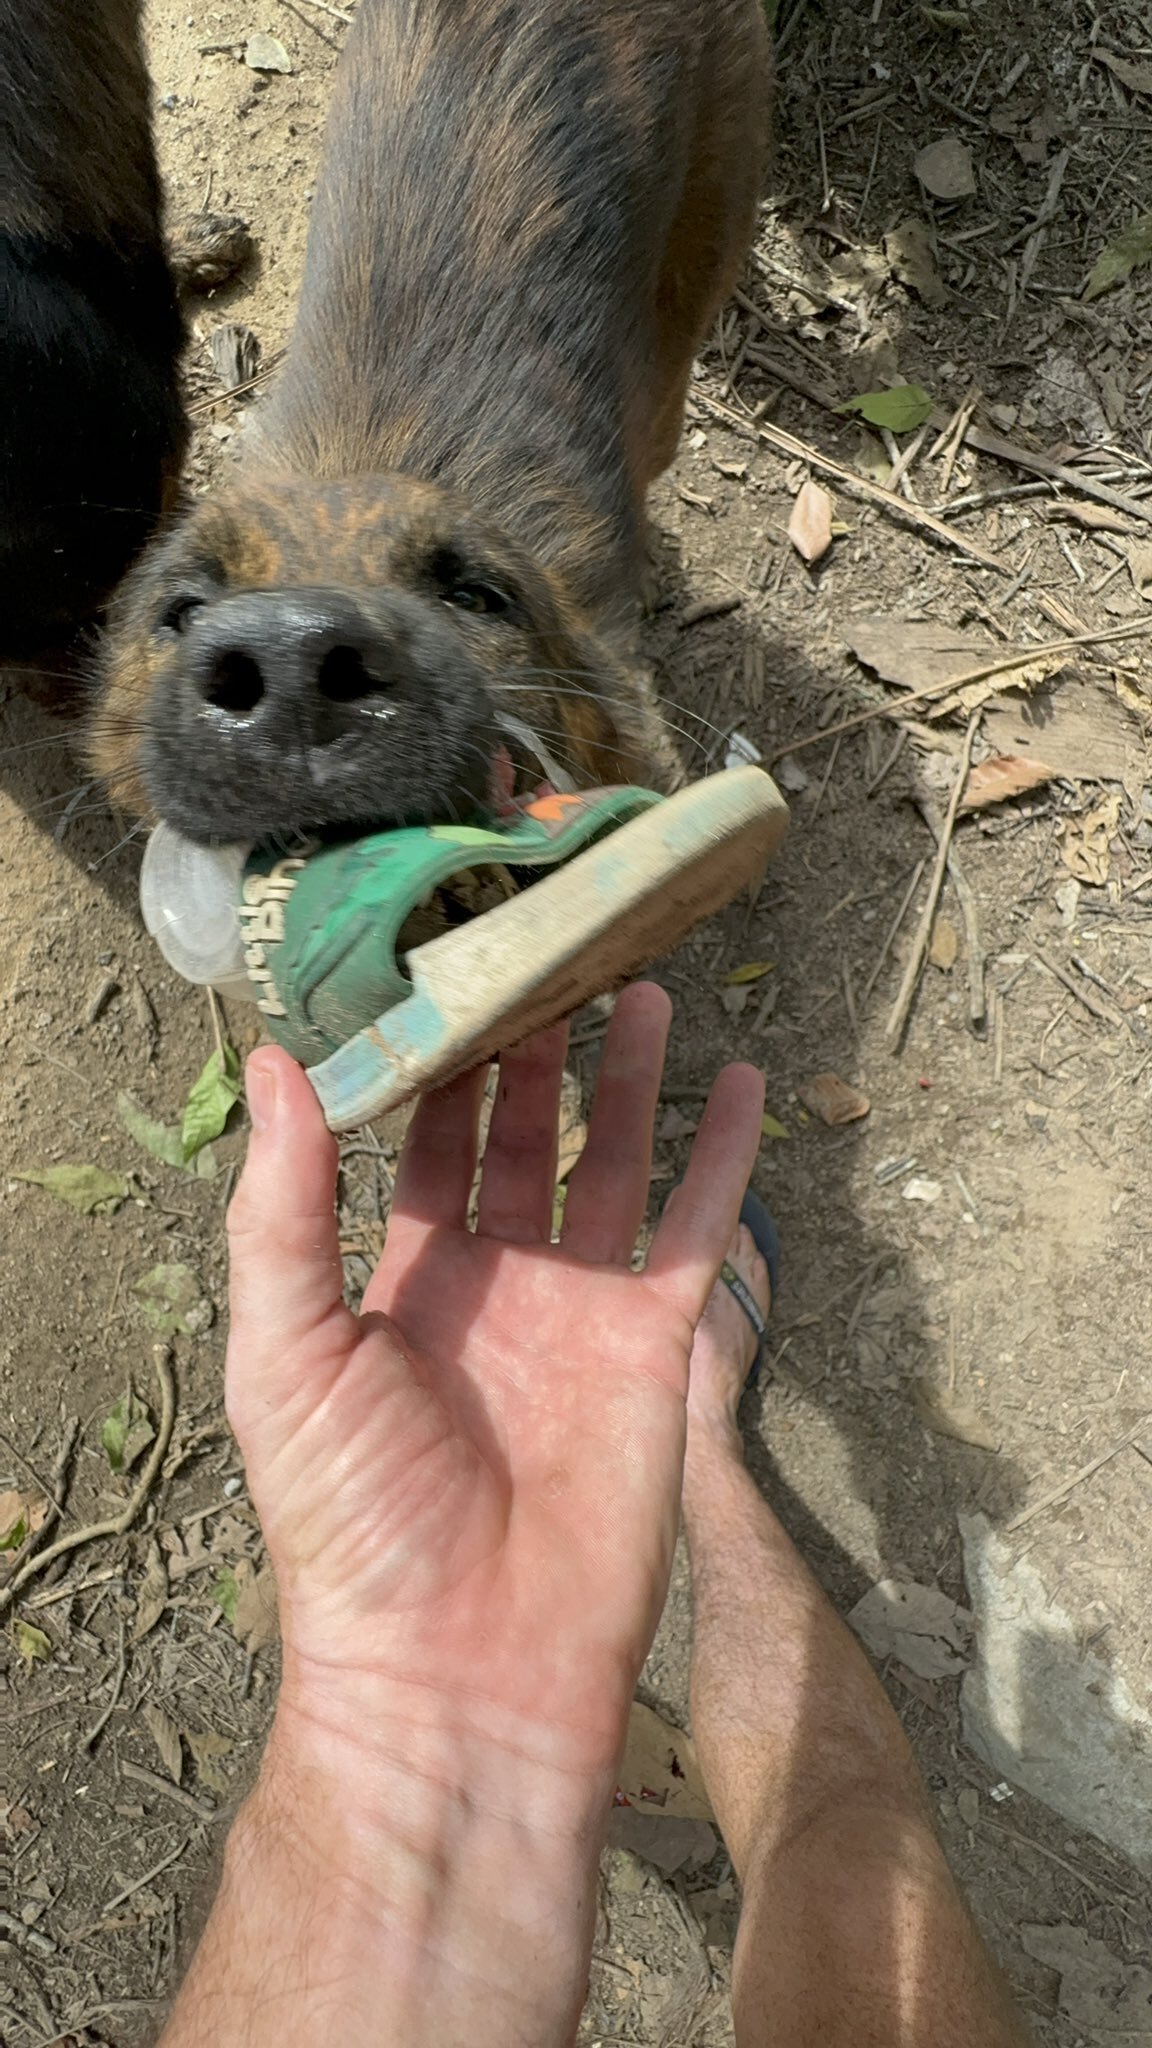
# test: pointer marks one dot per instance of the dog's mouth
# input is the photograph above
(523, 769)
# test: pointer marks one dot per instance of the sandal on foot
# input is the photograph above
(761, 1228)
(760, 1225)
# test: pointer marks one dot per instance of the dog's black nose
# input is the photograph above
(302, 663)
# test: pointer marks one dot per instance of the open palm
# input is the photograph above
(472, 1486)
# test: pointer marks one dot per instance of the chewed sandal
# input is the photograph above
(371, 966)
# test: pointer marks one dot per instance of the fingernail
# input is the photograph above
(261, 1089)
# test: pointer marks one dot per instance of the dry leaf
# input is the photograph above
(152, 1598)
(667, 1841)
(659, 1772)
(917, 1624)
(166, 1735)
(1079, 730)
(573, 1138)
(834, 1101)
(21, 1514)
(945, 945)
(917, 654)
(912, 260)
(1103, 1996)
(674, 1124)
(810, 526)
(942, 1413)
(749, 970)
(206, 1747)
(254, 1618)
(944, 168)
(1137, 77)
(1086, 846)
(1140, 567)
(1100, 518)
(1003, 776)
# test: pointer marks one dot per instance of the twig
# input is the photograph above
(50, 1491)
(238, 390)
(894, 1030)
(313, 26)
(893, 929)
(164, 1788)
(969, 910)
(118, 1524)
(337, 13)
(1067, 1486)
(708, 608)
(1096, 1004)
(1081, 1876)
(1040, 465)
(851, 481)
(894, 707)
(138, 1883)
(105, 1714)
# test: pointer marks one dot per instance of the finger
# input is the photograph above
(437, 1165)
(699, 1222)
(518, 1187)
(608, 1187)
(286, 1275)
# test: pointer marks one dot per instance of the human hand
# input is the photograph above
(469, 1491)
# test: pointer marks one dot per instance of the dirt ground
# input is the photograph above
(962, 1323)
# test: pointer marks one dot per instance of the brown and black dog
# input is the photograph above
(91, 427)
(528, 214)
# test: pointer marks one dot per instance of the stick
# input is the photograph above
(977, 999)
(105, 1714)
(1039, 465)
(163, 1787)
(1096, 1004)
(1067, 1486)
(139, 1883)
(858, 486)
(337, 13)
(893, 929)
(894, 1030)
(118, 1524)
(895, 706)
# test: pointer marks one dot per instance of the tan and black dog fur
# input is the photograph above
(528, 214)
(91, 428)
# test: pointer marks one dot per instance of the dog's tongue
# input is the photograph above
(505, 802)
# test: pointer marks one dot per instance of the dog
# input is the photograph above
(421, 589)
(92, 432)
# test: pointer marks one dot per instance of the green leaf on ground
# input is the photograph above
(31, 1643)
(226, 1592)
(174, 1301)
(209, 1105)
(1116, 262)
(87, 1188)
(163, 1141)
(771, 1127)
(901, 409)
(126, 1431)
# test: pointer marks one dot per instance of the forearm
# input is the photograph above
(407, 1889)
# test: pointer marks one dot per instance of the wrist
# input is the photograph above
(420, 1882)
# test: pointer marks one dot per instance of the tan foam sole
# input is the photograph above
(582, 930)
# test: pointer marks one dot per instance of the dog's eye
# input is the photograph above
(478, 597)
(177, 614)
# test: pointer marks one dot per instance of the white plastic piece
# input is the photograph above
(188, 897)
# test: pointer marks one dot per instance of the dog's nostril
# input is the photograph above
(344, 678)
(235, 684)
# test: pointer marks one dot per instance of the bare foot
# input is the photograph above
(725, 1346)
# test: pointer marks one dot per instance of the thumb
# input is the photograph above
(286, 1276)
